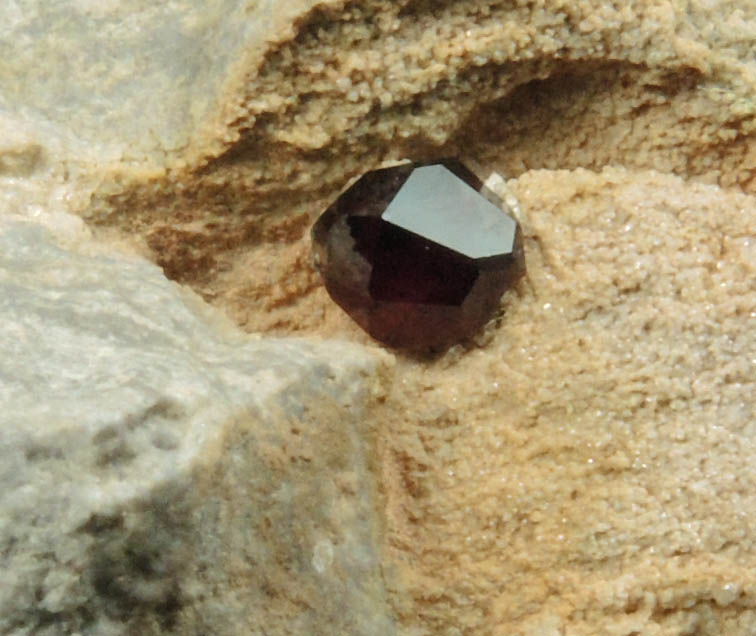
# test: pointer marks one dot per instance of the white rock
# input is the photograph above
(161, 473)
(111, 81)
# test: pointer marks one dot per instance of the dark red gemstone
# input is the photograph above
(418, 254)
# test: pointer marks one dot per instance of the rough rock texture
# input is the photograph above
(590, 469)
(661, 85)
(583, 467)
(125, 82)
(159, 476)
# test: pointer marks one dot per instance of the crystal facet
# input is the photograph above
(418, 254)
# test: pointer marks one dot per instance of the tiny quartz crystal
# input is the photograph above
(418, 254)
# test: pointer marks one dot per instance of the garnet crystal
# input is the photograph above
(418, 254)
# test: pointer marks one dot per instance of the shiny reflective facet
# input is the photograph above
(417, 255)
(430, 204)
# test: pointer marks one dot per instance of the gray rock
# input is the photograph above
(99, 73)
(128, 81)
(162, 473)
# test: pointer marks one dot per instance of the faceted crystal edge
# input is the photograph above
(429, 204)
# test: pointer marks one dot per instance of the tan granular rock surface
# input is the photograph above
(345, 86)
(589, 470)
(585, 467)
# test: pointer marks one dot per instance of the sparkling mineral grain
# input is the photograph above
(418, 254)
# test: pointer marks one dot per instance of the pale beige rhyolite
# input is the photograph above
(587, 468)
